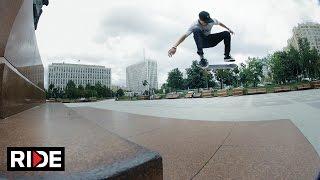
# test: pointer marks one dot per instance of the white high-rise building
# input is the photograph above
(137, 73)
(310, 31)
(61, 73)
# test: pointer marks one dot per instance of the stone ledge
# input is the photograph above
(256, 91)
(304, 86)
(17, 93)
(222, 93)
(92, 152)
(282, 89)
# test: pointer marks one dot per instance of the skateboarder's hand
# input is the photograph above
(172, 51)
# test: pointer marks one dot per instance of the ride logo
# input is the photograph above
(35, 159)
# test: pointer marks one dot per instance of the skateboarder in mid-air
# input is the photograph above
(201, 30)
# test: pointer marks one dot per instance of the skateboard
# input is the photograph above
(214, 67)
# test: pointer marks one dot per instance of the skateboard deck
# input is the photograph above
(214, 67)
(221, 66)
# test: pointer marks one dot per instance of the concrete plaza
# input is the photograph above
(271, 136)
(301, 107)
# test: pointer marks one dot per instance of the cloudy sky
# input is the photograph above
(114, 33)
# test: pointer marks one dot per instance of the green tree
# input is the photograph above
(278, 67)
(314, 60)
(51, 86)
(120, 93)
(164, 88)
(304, 49)
(108, 92)
(175, 79)
(61, 93)
(71, 90)
(309, 59)
(81, 91)
(49, 92)
(224, 76)
(198, 78)
(146, 83)
(236, 76)
(244, 75)
(292, 64)
(55, 92)
(252, 73)
(90, 91)
(99, 89)
(318, 68)
(256, 73)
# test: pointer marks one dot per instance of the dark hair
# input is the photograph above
(45, 2)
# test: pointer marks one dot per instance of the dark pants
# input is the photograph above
(203, 41)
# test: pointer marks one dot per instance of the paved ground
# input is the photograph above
(91, 152)
(301, 107)
(216, 150)
(190, 149)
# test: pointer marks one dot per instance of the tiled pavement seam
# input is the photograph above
(131, 137)
(222, 144)
(202, 167)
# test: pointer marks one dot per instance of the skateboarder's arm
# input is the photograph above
(224, 26)
(182, 38)
(173, 50)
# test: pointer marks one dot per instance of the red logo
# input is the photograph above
(36, 158)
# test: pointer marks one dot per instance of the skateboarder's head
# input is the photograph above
(46, 2)
(204, 17)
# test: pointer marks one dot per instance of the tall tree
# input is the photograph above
(108, 92)
(197, 77)
(49, 93)
(309, 58)
(90, 91)
(71, 90)
(146, 83)
(175, 79)
(314, 70)
(224, 76)
(256, 73)
(278, 67)
(293, 65)
(81, 91)
(236, 77)
(120, 93)
(252, 73)
(164, 88)
(99, 89)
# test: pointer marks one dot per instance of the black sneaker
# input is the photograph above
(228, 58)
(203, 63)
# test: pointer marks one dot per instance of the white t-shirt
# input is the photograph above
(205, 29)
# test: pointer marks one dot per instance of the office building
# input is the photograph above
(61, 73)
(310, 31)
(139, 72)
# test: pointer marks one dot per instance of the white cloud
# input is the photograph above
(113, 33)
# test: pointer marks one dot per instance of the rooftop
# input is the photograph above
(70, 64)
